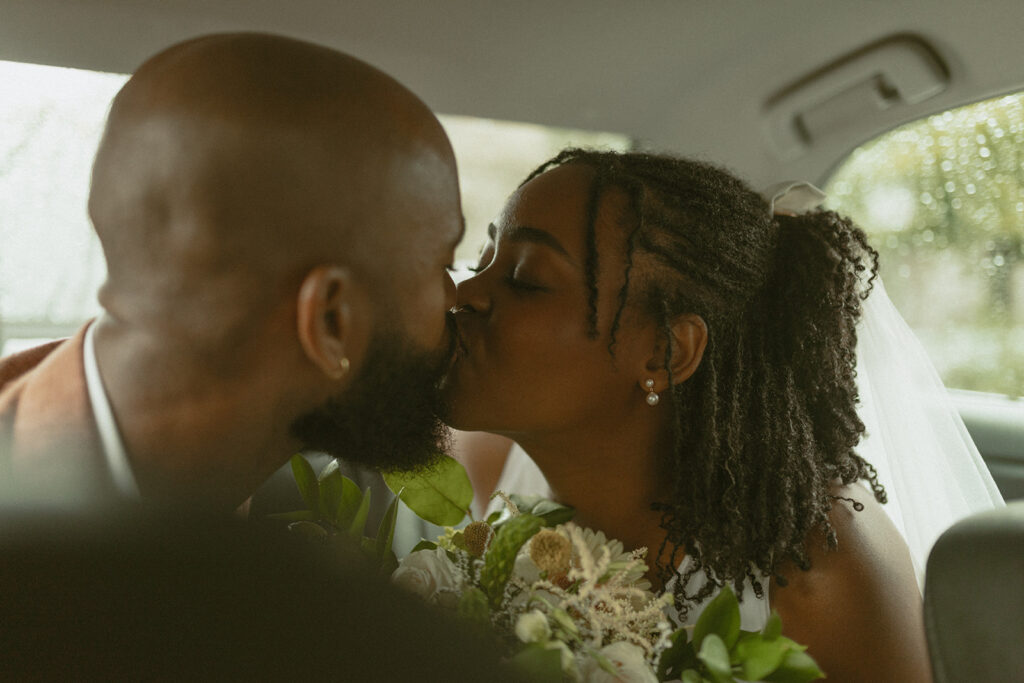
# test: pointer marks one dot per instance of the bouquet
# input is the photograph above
(566, 603)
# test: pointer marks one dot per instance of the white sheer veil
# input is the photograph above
(931, 470)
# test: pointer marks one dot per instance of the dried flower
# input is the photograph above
(477, 536)
(551, 552)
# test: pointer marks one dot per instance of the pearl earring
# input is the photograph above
(652, 397)
(344, 365)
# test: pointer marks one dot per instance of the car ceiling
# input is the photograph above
(697, 78)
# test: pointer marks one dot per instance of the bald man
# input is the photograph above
(277, 220)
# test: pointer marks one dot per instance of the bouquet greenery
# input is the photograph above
(566, 602)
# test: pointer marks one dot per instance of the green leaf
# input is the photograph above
(386, 529)
(493, 517)
(458, 540)
(689, 676)
(678, 656)
(368, 547)
(305, 479)
(721, 617)
(308, 530)
(773, 629)
(715, 656)
(348, 504)
(296, 516)
(329, 469)
(440, 494)
(359, 521)
(759, 657)
(423, 545)
(538, 663)
(553, 513)
(797, 667)
(388, 563)
(501, 554)
(332, 489)
(473, 606)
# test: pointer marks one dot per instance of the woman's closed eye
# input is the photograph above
(519, 283)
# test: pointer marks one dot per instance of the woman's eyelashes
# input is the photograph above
(522, 286)
(514, 279)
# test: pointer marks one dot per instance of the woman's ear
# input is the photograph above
(688, 336)
(326, 319)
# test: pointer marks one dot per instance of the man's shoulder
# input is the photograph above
(14, 366)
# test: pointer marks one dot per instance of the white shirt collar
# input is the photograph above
(110, 437)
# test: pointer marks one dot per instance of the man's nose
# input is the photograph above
(450, 293)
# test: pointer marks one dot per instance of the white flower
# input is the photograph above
(532, 627)
(620, 560)
(628, 660)
(524, 568)
(431, 575)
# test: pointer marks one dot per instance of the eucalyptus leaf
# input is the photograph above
(538, 663)
(386, 529)
(759, 657)
(359, 521)
(797, 667)
(440, 494)
(773, 629)
(305, 479)
(721, 617)
(715, 656)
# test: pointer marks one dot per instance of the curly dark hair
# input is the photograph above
(767, 423)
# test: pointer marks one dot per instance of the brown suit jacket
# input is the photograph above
(49, 443)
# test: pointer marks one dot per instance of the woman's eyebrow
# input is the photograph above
(526, 233)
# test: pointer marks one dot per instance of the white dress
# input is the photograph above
(522, 476)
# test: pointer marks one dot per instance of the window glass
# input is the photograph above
(943, 201)
(51, 120)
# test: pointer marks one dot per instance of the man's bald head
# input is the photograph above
(231, 164)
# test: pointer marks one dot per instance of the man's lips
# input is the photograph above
(457, 347)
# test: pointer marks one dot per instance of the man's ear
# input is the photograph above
(327, 319)
(688, 335)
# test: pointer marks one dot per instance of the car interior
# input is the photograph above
(909, 115)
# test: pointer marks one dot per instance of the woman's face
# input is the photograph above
(529, 365)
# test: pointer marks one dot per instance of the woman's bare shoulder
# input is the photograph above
(858, 608)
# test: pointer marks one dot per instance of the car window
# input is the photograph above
(943, 201)
(51, 120)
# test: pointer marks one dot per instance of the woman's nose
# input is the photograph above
(471, 296)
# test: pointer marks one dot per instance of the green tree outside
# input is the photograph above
(943, 201)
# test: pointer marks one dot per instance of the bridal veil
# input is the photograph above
(931, 470)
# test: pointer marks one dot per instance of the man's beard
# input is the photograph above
(390, 417)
